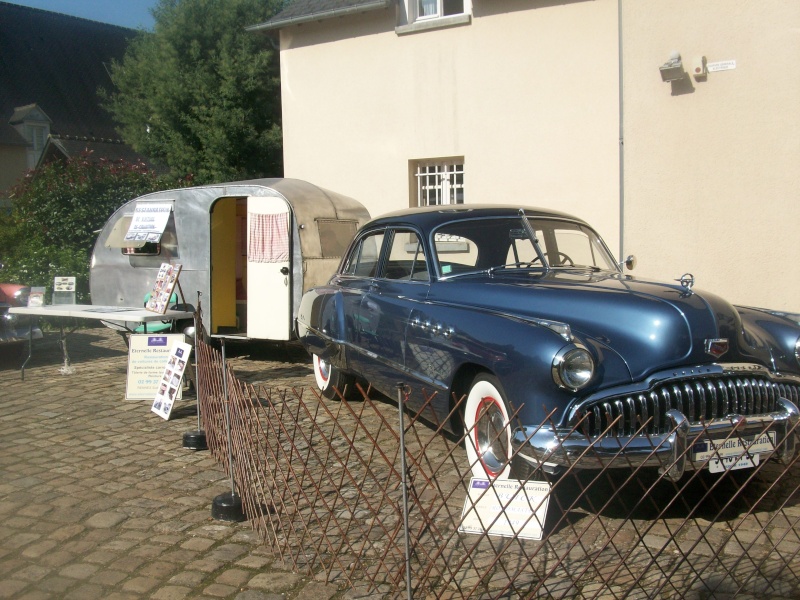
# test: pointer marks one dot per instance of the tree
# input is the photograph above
(56, 210)
(202, 94)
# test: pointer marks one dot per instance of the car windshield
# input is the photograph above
(492, 244)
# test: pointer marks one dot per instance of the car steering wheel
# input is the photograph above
(563, 260)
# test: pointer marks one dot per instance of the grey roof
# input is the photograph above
(304, 11)
(57, 62)
(10, 136)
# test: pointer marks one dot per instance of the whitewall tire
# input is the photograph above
(329, 379)
(488, 431)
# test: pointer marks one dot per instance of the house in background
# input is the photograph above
(51, 66)
(564, 104)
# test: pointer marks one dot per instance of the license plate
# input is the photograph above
(729, 455)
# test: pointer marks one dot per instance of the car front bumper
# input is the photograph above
(672, 452)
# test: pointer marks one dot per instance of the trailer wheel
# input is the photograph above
(330, 379)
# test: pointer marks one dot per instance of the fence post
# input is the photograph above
(227, 506)
(404, 480)
(196, 440)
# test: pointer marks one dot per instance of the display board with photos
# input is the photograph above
(170, 384)
(165, 283)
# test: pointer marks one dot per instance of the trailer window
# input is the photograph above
(335, 236)
(149, 249)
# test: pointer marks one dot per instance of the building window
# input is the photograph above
(432, 9)
(417, 16)
(439, 182)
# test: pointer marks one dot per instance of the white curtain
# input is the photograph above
(428, 8)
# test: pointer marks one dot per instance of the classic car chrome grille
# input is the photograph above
(699, 399)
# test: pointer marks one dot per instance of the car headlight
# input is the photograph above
(573, 368)
(797, 351)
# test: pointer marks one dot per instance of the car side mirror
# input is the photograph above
(630, 262)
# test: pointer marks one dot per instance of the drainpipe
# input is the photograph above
(621, 137)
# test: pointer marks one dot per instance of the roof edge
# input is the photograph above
(278, 23)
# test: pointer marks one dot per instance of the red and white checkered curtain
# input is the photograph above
(269, 238)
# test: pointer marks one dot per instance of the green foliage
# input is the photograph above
(202, 94)
(56, 211)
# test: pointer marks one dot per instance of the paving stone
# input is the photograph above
(79, 570)
(219, 590)
(274, 582)
(171, 592)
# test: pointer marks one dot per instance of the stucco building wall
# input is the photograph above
(528, 94)
(528, 97)
(712, 167)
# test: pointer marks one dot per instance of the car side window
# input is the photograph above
(363, 261)
(406, 258)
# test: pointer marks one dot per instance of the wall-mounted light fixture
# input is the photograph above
(672, 70)
(699, 68)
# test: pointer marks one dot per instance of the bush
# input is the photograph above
(56, 212)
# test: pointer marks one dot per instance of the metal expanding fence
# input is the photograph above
(327, 486)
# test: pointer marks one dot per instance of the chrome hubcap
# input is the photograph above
(490, 436)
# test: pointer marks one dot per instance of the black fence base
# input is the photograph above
(228, 507)
(195, 440)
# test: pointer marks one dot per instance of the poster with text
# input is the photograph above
(169, 386)
(148, 222)
(147, 355)
(506, 507)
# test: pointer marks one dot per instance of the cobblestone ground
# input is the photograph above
(98, 498)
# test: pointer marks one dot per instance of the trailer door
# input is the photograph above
(269, 269)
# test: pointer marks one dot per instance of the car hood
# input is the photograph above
(650, 325)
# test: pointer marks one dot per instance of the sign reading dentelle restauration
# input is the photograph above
(148, 222)
(506, 507)
(147, 355)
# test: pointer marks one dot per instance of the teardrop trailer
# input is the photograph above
(251, 248)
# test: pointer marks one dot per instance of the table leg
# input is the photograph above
(30, 348)
(66, 369)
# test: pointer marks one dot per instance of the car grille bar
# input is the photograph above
(700, 399)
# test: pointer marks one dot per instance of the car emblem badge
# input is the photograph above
(717, 347)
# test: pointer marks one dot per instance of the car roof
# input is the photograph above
(430, 217)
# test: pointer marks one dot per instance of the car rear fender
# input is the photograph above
(320, 323)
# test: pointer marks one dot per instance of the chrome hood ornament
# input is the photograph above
(687, 282)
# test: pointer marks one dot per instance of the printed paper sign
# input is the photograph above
(64, 284)
(147, 355)
(721, 65)
(64, 290)
(169, 387)
(734, 453)
(148, 222)
(506, 508)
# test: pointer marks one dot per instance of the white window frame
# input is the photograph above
(412, 21)
(439, 12)
(438, 182)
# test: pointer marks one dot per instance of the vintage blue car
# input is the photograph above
(526, 312)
